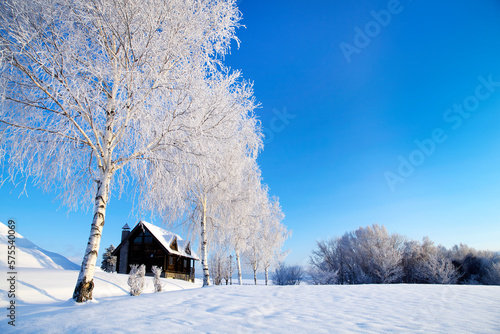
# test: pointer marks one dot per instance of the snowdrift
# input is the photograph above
(29, 255)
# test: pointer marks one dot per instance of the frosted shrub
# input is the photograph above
(288, 275)
(438, 270)
(322, 276)
(493, 276)
(156, 279)
(136, 279)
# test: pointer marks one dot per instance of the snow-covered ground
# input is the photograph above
(44, 307)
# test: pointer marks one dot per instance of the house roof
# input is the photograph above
(166, 239)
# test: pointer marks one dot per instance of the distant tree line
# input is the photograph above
(372, 255)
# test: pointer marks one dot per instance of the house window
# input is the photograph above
(148, 238)
(185, 263)
(170, 261)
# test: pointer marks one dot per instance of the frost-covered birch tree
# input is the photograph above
(274, 235)
(220, 165)
(253, 253)
(101, 95)
(240, 215)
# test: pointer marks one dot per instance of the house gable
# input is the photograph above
(173, 245)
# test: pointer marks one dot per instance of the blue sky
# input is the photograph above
(339, 124)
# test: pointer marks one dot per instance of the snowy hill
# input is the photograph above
(29, 255)
(43, 306)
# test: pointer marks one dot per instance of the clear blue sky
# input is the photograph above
(345, 99)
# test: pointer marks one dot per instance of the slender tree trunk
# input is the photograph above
(204, 244)
(266, 270)
(238, 264)
(255, 275)
(85, 282)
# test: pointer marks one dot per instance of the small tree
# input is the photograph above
(287, 275)
(228, 273)
(108, 261)
(217, 267)
(136, 279)
(274, 234)
(156, 280)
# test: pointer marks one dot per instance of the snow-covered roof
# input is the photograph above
(167, 238)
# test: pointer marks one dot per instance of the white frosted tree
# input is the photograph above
(367, 255)
(220, 165)
(327, 263)
(257, 228)
(274, 234)
(100, 96)
(378, 253)
(218, 261)
(415, 254)
(253, 253)
(240, 210)
(437, 269)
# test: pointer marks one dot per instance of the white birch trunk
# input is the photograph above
(204, 244)
(255, 275)
(238, 263)
(266, 270)
(85, 282)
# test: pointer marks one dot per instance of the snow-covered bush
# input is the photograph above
(321, 276)
(156, 279)
(367, 255)
(136, 279)
(109, 262)
(438, 269)
(493, 274)
(287, 275)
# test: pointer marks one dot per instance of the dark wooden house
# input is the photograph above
(153, 246)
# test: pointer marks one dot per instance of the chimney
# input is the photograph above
(125, 231)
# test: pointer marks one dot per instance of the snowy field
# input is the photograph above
(44, 307)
